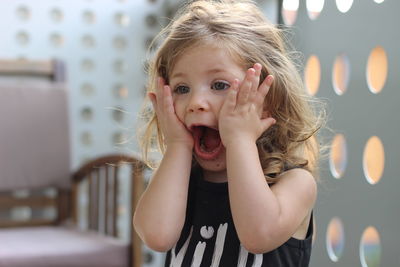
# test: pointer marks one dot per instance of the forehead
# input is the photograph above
(205, 56)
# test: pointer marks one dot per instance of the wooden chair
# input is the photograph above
(35, 175)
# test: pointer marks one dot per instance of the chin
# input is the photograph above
(214, 165)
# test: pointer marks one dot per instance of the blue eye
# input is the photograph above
(220, 86)
(181, 89)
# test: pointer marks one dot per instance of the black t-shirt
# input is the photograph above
(209, 238)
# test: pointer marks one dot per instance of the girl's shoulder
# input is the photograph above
(297, 171)
(296, 185)
(296, 176)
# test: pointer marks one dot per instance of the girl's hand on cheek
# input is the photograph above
(173, 129)
(240, 115)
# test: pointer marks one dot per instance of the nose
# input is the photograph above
(198, 102)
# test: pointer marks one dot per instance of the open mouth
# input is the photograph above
(207, 142)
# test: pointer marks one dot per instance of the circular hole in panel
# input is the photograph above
(338, 156)
(379, 1)
(88, 41)
(170, 12)
(56, 15)
(344, 5)
(56, 40)
(89, 17)
(118, 114)
(148, 257)
(119, 42)
(314, 8)
(151, 20)
(87, 114)
(121, 91)
(119, 66)
(377, 68)
(87, 89)
(289, 11)
(312, 74)
(335, 239)
(341, 74)
(122, 19)
(370, 248)
(22, 38)
(373, 160)
(87, 65)
(119, 139)
(86, 138)
(23, 13)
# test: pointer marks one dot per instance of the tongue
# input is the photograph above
(211, 139)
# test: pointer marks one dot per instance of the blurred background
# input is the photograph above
(350, 56)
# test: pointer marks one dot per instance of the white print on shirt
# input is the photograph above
(219, 244)
(258, 258)
(207, 233)
(198, 254)
(242, 257)
(177, 261)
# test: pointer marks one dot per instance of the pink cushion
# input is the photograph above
(59, 247)
(34, 137)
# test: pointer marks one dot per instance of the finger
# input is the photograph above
(235, 85)
(230, 101)
(262, 92)
(256, 81)
(245, 87)
(168, 102)
(264, 87)
(234, 94)
(159, 92)
(160, 84)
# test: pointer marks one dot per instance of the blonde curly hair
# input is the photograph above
(242, 29)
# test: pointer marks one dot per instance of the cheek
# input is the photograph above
(179, 107)
(218, 103)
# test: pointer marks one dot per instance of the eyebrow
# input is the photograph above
(176, 75)
(215, 70)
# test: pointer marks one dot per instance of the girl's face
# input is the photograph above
(199, 82)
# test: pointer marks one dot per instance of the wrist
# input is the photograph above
(184, 147)
(239, 141)
(185, 141)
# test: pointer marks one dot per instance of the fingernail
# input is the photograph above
(252, 71)
(235, 84)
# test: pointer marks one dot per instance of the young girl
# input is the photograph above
(235, 186)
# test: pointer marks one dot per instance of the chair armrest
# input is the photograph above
(102, 175)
